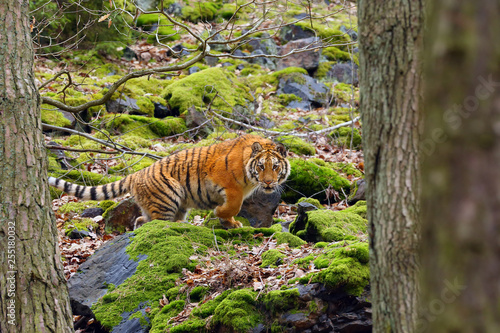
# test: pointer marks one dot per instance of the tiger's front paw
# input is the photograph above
(231, 224)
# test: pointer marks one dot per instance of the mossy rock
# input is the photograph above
(297, 145)
(200, 11)
(170, 247)
(281, 300)
(290, 239)
(329, 226)
(81, 224)
(271, 258)
(312, 201)
(333, 53)
(238, 311)
(345, 266)
(359, 208)
(200, 88)
(143, 127)
(343, 135)
(54, 117)
(309, 179)
(347, 169)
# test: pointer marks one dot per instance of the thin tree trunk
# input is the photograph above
(461, 170)
(390, 47)
(33, 293)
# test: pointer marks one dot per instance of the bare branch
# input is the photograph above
(105, 143)
(294, 133)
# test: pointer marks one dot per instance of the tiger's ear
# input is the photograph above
(256, 148)
(281, 149)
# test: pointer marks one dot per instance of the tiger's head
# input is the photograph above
(268, 166)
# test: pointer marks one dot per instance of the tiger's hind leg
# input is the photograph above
(159, 200)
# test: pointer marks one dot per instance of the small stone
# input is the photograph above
(92, 212)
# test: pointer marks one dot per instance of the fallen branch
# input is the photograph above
(124, 150)
(294, 133)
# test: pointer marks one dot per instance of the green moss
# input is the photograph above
(143, 127)
(359, 208)
(54, 117)
(285, 99)
(311, 180)
(189, 326)
(142, 318)
(347, 169)
(238, 311)
(304, 262)
(327, 225)
(82, 224)
(333, 53)
(198, 293)
(346, 92)
(343, 137)
(200, 11)
(289, 70)
(312, 201)
(292, 240)
(228, 10)
(208, 308)
(344, 265)
(77, 207)
(271, 258)
(297, 145)
(200, 88)
(281, 300)
(277, 227)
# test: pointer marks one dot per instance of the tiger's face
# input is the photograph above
(268, 166)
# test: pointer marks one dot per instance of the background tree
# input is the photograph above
(390, 43)
(461, 174)
(34, 293)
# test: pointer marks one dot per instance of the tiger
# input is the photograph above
(219, 177)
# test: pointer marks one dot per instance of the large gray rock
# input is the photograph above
(345, 72)
(294, 32)
(122, 217)
(313, 93)
(123, 104)
(259, 208)
(109, 264)
(261, 60)
(308, 60)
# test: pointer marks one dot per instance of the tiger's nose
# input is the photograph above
(268, 182)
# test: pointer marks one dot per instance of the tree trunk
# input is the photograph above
(461, 169)
(390, 46)
(34, 296)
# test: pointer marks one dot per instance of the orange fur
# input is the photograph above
(219, 176)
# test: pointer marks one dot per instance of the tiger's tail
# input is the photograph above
(103, 192)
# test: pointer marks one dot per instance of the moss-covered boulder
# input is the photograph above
(345, 266)
(326, 225)
(309, 179)
(200, 88)
(297, 145)
(143, 127)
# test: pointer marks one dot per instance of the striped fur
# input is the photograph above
(220, 176)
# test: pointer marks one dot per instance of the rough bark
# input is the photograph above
(390, 45)
(34, 296)
(461, 170)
